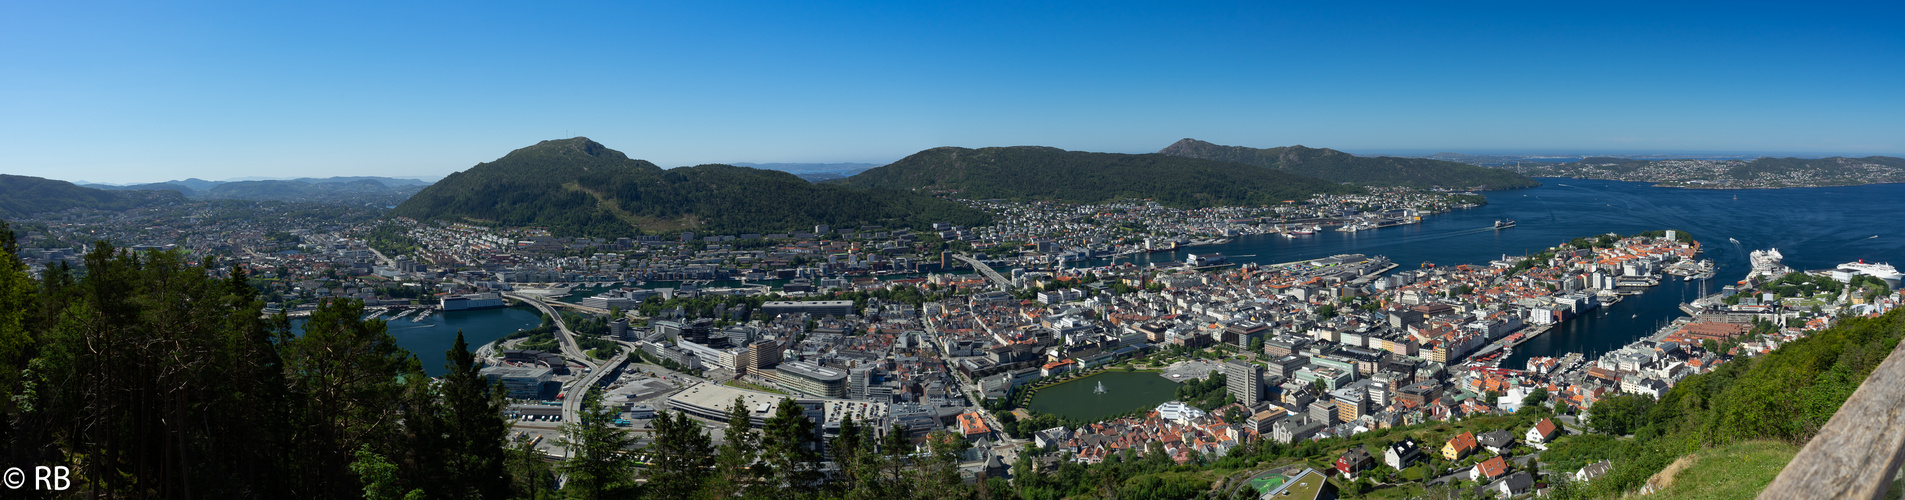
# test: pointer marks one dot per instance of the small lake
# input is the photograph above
(432, 338)
(1124, 391)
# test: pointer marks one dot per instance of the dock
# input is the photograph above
(1528, 334)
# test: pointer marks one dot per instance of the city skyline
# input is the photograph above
(144, 93)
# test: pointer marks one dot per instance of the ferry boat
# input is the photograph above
(1504, 224)
(1307, 230)
(1886, 272)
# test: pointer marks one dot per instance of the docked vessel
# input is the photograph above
(1768, 262)
(1886, 272)
(1504, 224)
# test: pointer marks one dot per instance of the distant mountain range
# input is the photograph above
(815, 172)
(1730, 173)
(380, 191)
(198, 184)
(1333, 165)
(22, 195)
(1042, 173)
(578, 186)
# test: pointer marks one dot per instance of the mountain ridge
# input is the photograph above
(1048, 173)
(578, 186)
(22, 195)
(1338, 166)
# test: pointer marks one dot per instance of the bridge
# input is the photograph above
(577, 393)
(1858, 452)
(985, 270)
(566, 337)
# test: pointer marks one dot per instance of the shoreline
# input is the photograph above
(1666, 184)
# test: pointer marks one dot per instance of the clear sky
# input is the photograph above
(149, 91)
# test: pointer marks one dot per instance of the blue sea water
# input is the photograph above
(431, 339)
(1816, 228)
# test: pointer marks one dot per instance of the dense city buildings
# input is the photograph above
(961, 329)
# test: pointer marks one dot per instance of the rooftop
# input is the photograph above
(812, 371)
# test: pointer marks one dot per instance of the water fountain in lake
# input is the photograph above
(1100, 389)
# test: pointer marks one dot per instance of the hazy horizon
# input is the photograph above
(154, 92)
(767, 164)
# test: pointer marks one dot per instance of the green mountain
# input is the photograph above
(1362, 171)
(1042, 173)
(22, 195)
(577, 186)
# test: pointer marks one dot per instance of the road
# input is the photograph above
(572, 404)
(986, 270)
(381, 259)
(971, 389)
(578, 392)
(569, 347)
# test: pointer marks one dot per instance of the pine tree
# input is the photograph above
(599, 465)
(529, 474)
(848, 449)
(734, 462)
(897, 456)
(474, 426)
(788, 451)
(937, 474)
(682, 455)
(350, 375)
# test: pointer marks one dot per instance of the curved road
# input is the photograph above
(577, 393)
(569, 347)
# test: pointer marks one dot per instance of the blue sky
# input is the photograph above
(148, 91)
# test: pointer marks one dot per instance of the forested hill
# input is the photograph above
(22, 195)
(1042, 173)
(1338, 166)
(580, 187)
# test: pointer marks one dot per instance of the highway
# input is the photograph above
(572, 404)
(578, 391)
(569, 347)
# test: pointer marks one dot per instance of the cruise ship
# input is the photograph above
(1886, 272)
(1768, 263)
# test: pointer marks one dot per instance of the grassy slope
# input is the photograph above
(1739, 470)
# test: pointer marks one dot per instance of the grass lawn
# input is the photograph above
(1409, 490)
(1738, 470)
(1413, 473)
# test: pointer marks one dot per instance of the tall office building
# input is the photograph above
(1245, 381)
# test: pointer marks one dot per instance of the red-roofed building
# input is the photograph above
(1489, 469)
(1459, 446)
(973, 426)
(1542, 432)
